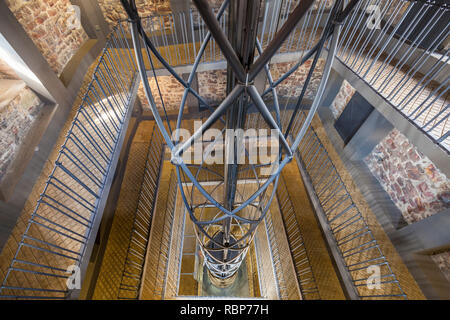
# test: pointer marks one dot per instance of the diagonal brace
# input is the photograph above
(222, 40)
(259, 103)
(220, 110)
(279, 38)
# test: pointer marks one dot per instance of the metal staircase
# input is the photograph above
(54, 249)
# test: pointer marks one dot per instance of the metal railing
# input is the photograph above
(396, 58)
(130, 283)
(269, 285)
(162, 236)
(50, 257)
(305, 34)
(281, 258)
(358, 248)
(178, 37)
(410, 73)
(404, 55)
(297, 249)
(172, 281)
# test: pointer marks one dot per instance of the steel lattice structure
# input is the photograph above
(227, 209)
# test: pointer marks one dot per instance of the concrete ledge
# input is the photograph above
(430, 234)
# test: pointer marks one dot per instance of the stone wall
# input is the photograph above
(18, 109)
(113, 10)
(53, 26)
(412, 181)
(16, 118)
(171, 91)
(341, 100)
(212, 85)
(294, 83)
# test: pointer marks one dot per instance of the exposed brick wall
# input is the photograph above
(171, 91)
(16, 119)
(443, 262)
(16, 115)
(113, 10)
(294, 83)
(212, 85)
(344, 95)
(53, 27)
(412, 181)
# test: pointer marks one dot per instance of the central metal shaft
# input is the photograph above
(242, 31)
